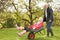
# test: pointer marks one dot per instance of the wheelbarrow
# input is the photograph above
(32, 33)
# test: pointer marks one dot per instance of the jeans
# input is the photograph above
(49, 30)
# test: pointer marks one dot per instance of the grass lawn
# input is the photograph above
(10, 34)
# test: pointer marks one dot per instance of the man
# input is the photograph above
(48, 18)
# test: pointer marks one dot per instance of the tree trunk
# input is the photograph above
(31, 21)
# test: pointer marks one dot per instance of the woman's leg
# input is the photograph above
(21, 33)
(19, 28)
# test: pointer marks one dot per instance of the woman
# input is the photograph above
(33, 27)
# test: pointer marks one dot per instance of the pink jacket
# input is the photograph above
(36, 25)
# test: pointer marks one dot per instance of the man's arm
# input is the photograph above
(51, 15)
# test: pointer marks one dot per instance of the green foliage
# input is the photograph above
(3, 17)
(56, 21)
(9, 22)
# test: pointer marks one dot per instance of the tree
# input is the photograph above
(4, 4)
(32, 9)
(49, 1)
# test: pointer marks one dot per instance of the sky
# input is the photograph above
(40, 4)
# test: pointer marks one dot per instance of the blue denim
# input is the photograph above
(49, 26)
(49, 30)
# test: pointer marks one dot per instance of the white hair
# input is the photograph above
(40, 18)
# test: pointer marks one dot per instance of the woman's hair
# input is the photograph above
(40, 18)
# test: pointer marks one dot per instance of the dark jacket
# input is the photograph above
(49, 15)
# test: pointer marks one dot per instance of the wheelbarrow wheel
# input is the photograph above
(31, 36)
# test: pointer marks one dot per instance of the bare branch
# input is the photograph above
(26, 20)
(14, 6)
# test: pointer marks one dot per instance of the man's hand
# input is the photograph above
(49, 20)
